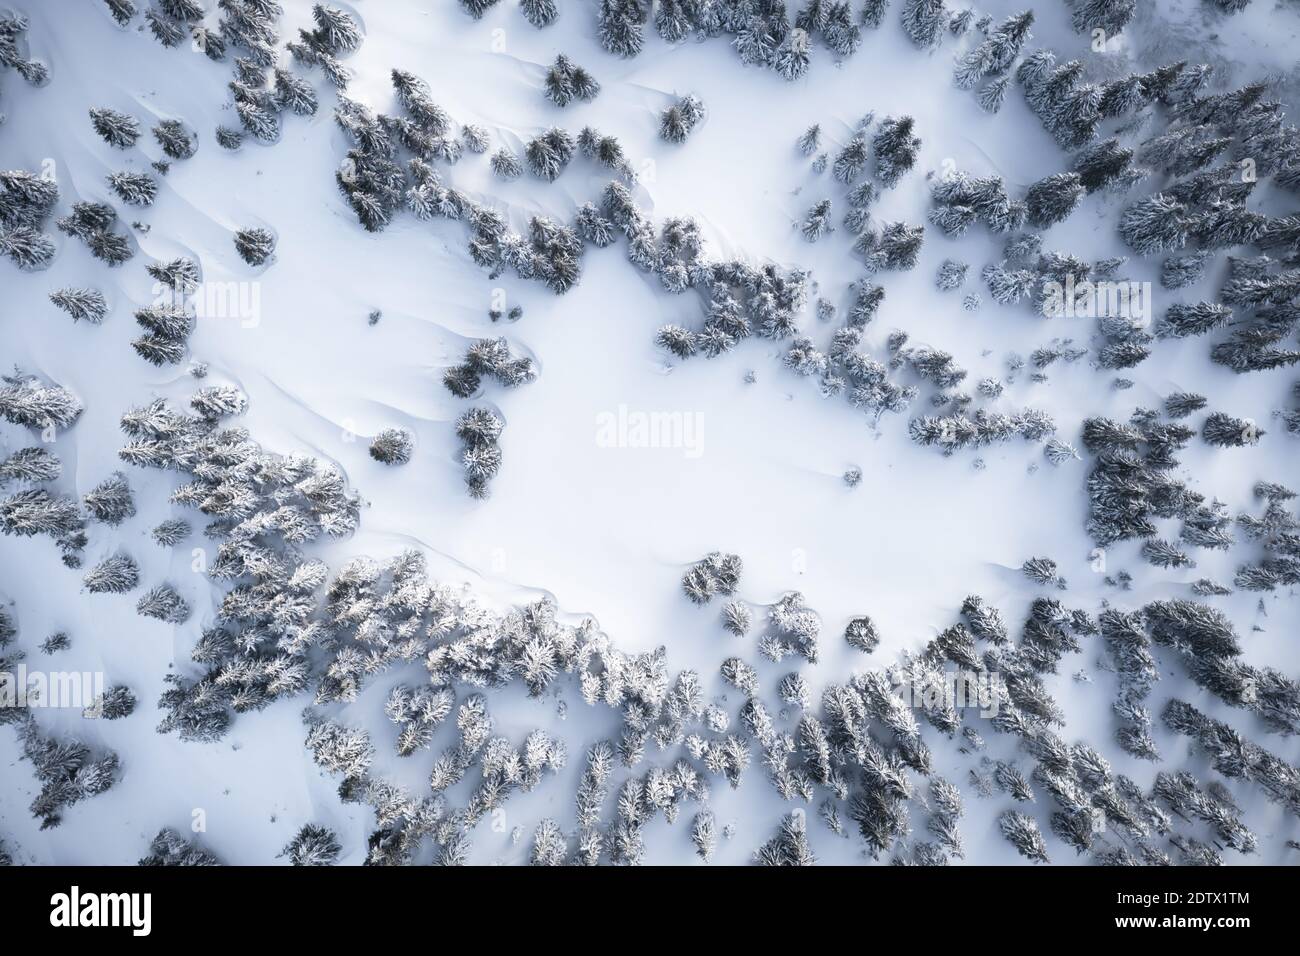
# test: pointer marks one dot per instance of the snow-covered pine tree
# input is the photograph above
(254, 245)
(134, 189)
(1053, 198)
(117, 129)
(88, 304)
(113, 575)
(392, 446)
(165, 604)
(175, 140)
(313, 845)
(923, 21)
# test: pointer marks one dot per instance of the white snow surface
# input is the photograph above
(606, 532)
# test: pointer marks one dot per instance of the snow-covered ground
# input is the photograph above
(607, 532)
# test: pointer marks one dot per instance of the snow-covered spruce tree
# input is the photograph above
(479, 429)
(792, 59)
(506, 165)
(549, 153)
(171, 532)
(809, 142)
(795, 628)
(1154, 224)
(36, 511)
(26, 201)
(93, 222)
(169, 848)
(996, 54)
(895, 148)
(392, 446)
(716, 573)
(114, 704)
(117, 129)
(1193, 318)
(993, 94)
(923, 21)
(1234, 756)
(897, 246)
(165, 604)
(113, 575)
(860, 633)
(31, 465)
(1226, 431)
(789, 847)
(110, 501)
(678, 121)
(313, 845)
(88, 304)
(1109, 16)
(621, 27)
(174, 139)
(24, 400)
(818, 221)
(1053, 198)
(851, 160)
(566, 81)
(606, 150)
(254, 245)
(491, 358)
(134, 189)
(68, 771)
(1179, 271)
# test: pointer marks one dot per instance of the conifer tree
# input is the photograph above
(313, 845)
(113, 575)
(117, 129)
(254, 245)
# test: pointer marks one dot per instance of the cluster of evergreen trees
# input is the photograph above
(26, 202)
(13, 26)
(761, 31)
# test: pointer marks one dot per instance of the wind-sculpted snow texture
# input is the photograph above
(701, 432)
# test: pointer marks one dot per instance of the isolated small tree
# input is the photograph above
(117, 129)
(392, 446)
(113, 575)
(135, 189)
(861, 634)
(506, 165)
(255, 245)
(165, 604)
(88, 304)
(171, 532)
(174, 139)
(313, 845)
